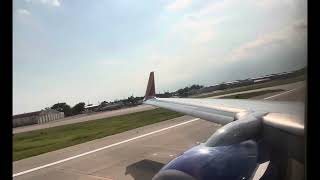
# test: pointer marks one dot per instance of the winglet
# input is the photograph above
(150, 92)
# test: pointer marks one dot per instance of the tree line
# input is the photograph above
(69, 111)
(183, 92)
(80, 107)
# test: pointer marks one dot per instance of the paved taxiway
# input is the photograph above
(138, 158)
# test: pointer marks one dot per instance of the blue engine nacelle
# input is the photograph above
(234, 162)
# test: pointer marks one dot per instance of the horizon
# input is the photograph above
(204, 86)
(67, 51)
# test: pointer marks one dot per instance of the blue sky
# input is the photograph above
(78, 51)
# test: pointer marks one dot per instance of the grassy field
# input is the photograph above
(251, 94)
(252, 87)
(36, 142)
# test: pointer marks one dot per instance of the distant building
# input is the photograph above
(37, 117)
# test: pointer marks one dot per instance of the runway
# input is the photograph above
(285, 87)
(135, 154)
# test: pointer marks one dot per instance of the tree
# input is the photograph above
(62, 107)
(104, 103)
(183, 92)
(78, 108)
(131, 100)
(196, 86)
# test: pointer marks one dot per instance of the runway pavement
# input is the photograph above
(132, 155)
(285, 87)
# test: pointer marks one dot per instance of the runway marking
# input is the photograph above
(102, 148)
(282, 93)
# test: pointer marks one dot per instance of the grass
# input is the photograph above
(251, 94)
(37, 142)
(252, 87)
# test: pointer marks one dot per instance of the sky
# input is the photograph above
(89, 51)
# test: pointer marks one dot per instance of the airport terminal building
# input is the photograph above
(37, 117)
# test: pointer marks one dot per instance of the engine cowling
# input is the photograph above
(234, 162)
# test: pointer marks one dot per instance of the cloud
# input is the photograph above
(292, 35)
(178, 5)
(197, 30)
(204, 37)
(55, 3)
(276, 3)
(111, 62)
(216, 6)
(197, 26)
(23, 12)
(228, 6)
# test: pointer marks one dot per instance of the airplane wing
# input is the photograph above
(279, 124)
